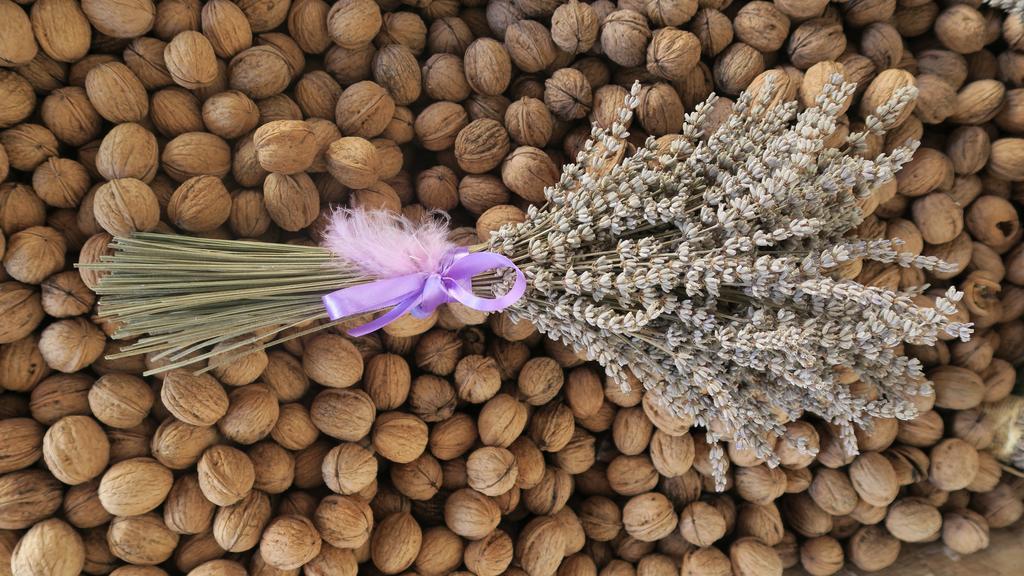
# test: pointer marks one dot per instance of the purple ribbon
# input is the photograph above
(421, 293)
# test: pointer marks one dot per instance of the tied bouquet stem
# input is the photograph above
(705, 267)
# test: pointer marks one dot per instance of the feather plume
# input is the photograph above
(383, 244)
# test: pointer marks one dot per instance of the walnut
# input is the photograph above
(238, 527)
(964, 531)
(431, 398)
(529, 46)
(477, 378)
(343, 414)
(399, 437)
(332, 361)
(186, 510)
(353, 162)
(874, 479)
(752, 557)
(34, 253)
(72, 344)
(491, 470)
(954, 464)
(417, 480)
(75, 449)
(713, 29)
(261, 72)
(27, 497)
(502, 419)
(760, 484)
(709, 561)
(821, 556)
(540, 546)
(660, 111)
(252, 413)
(226, 475)
(196, 154)
(814, 41)
(481, 146)
(353, 23)
(671, 55)
(364, 110)
(649, 517)
(23, 445)
(961, 29)
(50, 547)
(574, 27)
(913, 520)
(624, 37)
(291, 201)
(289, 542)
(471, 514)
(761, 25)
(396, 69)
(197, 399)
(488, 67)
(178, 445)
(134, 486)
(116, 93)
(631, 475)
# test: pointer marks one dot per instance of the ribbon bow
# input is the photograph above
(421, 293)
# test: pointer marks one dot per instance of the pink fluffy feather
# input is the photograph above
(382, 244)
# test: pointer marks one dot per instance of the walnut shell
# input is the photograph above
(285, 146)
(259, 72)
(27, 497)
(200, 204)
(289, 542)
(399, 437)
(349, 468)
(253, 411)
(364, 110)
(291, 201)
(530, 46)
(116, 93)
(197, 399)
(671, 55)
(540, 546)
(227, 28)
(332, 361)
(120, 19)
(75, 449)
(624, 37)
(481, 146)
(574, 27)
(134, 486)
(196, 154)
(226, 475)
(344, 521)
(238, 527)
(191, 60)
(126, 205)
(395, 542)
(50, 547)
(353, 162)
(142, 539)
(488, 66)
(72, 344)
(353, 23)
(649, 517)
(186, 510)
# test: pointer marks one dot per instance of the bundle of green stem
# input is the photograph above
(703, 267)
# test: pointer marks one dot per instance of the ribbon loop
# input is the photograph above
(421, 293)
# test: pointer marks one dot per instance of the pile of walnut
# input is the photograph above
(461, 443)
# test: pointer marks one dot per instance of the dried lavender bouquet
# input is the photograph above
(701, 267)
